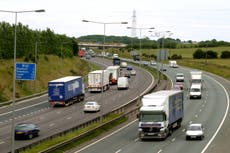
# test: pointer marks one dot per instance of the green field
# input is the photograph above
(186, 52)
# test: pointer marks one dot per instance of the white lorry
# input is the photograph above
(98, 80)
(122, 83)
(195, 90)
(173, 64)
(196, 77)
(114, 73)
(160, 113)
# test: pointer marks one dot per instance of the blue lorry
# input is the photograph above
(161, 112)
(66, 90)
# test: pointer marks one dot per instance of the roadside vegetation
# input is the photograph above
(48, 68)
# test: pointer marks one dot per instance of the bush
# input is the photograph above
(225, 54)
(175, 56)
(211, 54)
(198, 54)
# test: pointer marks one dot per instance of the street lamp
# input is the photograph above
(103, 50)
(14, 77)
(62, 57)
(104, 23)
(140, 29)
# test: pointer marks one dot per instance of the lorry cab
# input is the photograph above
(195, 91)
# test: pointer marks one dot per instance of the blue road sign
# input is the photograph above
(25, 71)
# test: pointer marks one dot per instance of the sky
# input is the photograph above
(196, 20)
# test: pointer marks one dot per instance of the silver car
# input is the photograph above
(91, 106)
(195, 131)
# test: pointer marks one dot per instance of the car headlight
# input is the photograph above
(140, 130)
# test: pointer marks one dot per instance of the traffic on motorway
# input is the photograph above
(53, 116)
(191, 117)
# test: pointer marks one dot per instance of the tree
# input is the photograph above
(198, 54)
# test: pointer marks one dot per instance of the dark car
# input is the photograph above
(26, 131)
(129, 68)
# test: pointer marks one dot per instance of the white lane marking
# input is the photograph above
(68, 118)
(51, 125)
(200, 110)
(203, 105)
(159, 151)
(173, 139)
(23, 108)
(136, 139)
(183, 130)
(196, 116)
(1, 142)
(222, 122)
(118, 151)
(105, 137)
(190, 122)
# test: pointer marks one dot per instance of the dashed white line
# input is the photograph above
(190, 122)
(196, 116)
(51, 124)
(159, 151)
(173, 139)
(68, 118)
(200, 110)
(1, 142)
(183, 130)
(118, 151)
(136, 139)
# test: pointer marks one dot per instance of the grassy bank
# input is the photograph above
(219, 67)
(49, 67)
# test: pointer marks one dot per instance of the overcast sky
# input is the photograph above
(195, 20)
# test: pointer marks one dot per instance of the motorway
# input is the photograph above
(211, 111)
(54, 120)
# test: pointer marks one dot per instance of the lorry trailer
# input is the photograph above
(114, 73)
(66, 90)
(161, 112)
(98, 81)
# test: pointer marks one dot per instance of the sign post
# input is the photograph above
(25, 71)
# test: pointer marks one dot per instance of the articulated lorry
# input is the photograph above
(98, 80)
(66, 90)
(161, 112)
(114, 73)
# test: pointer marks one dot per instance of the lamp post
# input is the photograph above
(103, 50)
(104, 23)
(14, 77)
(62, 57)
(140, 30)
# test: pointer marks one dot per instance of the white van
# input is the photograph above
(122, 83)
(173, 64)
(195, 91)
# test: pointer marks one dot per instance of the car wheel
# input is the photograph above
(30, 136)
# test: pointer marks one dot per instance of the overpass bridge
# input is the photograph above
(100, 45)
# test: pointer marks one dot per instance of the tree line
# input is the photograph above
(46, 42)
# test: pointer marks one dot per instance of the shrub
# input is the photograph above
(225, 54)
(211, 54)
(198, 54)
(175, 56)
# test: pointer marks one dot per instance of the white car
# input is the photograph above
(91, 106)
(195, 131)
(179, 77)
(154, 63)
(133, 72)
